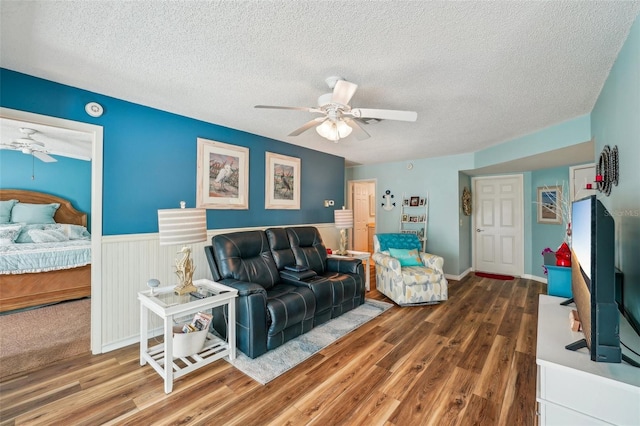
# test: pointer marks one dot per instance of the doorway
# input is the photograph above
(498, 228)
(96, 133)
(361, 199)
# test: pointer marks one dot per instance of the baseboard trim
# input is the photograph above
(458, 277)
(535, 278)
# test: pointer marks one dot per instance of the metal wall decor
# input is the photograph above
(387, 204)
(607, 170)
(466, 201)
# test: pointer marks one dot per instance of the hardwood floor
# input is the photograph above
(468, 361)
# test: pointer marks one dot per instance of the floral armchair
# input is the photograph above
(420, 281)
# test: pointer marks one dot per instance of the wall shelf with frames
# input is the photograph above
(414, 216)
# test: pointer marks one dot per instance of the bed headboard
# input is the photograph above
(66, 213)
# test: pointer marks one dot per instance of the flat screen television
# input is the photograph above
(593, 276)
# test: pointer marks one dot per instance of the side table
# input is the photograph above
(362, 255)
(168, 305)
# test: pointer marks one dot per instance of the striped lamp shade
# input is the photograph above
(182, 226)
(343, 218)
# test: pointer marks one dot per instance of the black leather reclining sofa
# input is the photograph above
(274, 304)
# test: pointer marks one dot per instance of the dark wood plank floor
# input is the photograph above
(468, 361)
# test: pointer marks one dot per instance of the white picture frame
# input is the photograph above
(222, 176)
(282, 182)
(550, 205)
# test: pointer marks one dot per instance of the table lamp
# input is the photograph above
(344, 220)
(183, 226)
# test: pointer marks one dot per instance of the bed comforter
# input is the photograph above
(42, 257)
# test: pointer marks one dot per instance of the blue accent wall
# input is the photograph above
(67, 178)
(615, 121)
(150, 159)
(545, 235)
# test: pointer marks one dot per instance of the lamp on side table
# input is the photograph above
(183, 226)
(344, 220)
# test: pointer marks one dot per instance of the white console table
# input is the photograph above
(572, 389)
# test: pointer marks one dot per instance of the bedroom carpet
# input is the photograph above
(278, 361)
(34, 338)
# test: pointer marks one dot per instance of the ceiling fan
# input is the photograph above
(28, 145)
(338, 118)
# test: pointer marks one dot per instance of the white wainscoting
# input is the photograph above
(128, 261)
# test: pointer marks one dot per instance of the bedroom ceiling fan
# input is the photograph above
(338, 118)
(28, 145)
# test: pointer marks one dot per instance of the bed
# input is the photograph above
(22, 290)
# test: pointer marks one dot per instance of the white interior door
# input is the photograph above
(360, 215)
(498, 225)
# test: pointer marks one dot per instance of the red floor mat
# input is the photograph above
(495, 276)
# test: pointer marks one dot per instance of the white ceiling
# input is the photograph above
(57, 141)
(477, 73)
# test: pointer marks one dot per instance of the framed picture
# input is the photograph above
(405, 202)
(422, 201)
(549, 204)
(282, 182)
(414, 201)
(405, 218)
(222, 176)
(413, 219)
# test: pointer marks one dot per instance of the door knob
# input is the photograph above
(479, 230)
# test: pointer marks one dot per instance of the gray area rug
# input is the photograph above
(276, 362)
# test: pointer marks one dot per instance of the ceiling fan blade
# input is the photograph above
(343, 91)
(385, 114)
(307, 109)
(43, 157)
(358, 131)
(308, 125)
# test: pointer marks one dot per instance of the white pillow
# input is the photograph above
(24, 236)
(9, 233)
(73, 232)
(47, 235)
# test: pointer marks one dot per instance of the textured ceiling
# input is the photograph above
(477, 73)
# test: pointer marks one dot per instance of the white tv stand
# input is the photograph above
(572, 389)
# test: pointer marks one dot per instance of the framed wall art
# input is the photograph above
(282, 182)
(223, 176)
(550, 204)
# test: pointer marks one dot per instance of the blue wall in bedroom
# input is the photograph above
(150, 159)
(67, 178)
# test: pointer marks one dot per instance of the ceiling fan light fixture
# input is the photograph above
(334, 131)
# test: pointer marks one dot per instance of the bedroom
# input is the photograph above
(67, 178)
(130, 147)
